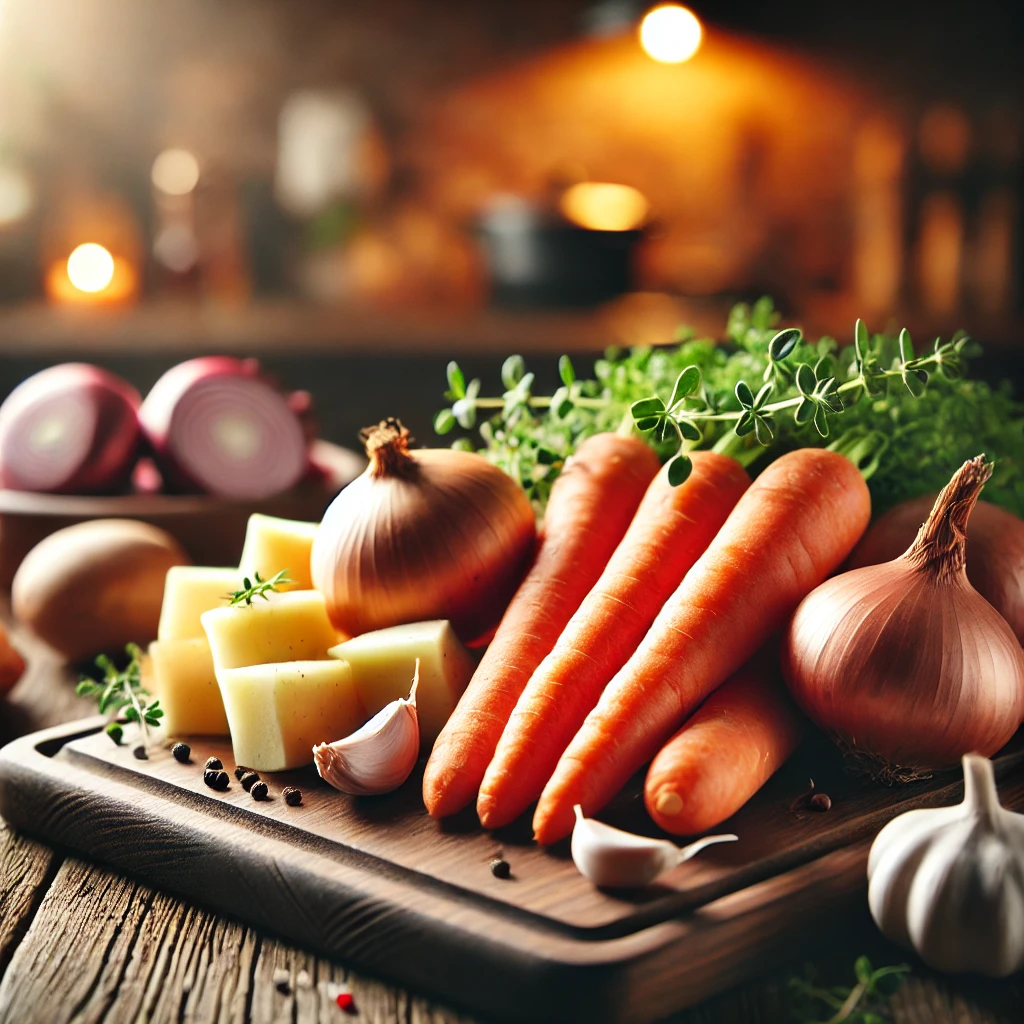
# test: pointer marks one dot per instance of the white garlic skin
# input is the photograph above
(614, 859)
(949, 881)
(378, 757)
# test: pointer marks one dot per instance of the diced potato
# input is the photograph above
(278, 712)
(273, 544)
(184, 680)
(383, 663)
(286, 627)
(189, 591)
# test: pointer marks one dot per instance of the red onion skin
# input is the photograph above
(107, 461)
(156, 417)
(995, 551)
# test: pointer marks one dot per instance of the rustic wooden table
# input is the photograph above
(80, 943)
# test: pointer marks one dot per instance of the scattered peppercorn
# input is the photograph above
(115, 732)
(139, 753)
(292, 796)
(213, 764)
(820, 802)
(501, 868)
(215, 779)
(259, 791)
(248, 779)
(240, 771)
(182, 752)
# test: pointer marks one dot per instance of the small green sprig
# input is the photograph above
(863, 1003)
(121, 691)
(257, 587)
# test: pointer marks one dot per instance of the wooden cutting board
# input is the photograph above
(378, 883)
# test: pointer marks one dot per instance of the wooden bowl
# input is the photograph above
(210, 529)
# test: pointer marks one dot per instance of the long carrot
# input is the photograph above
(668, 534)
(589, 510)
(735, 741)
(794, 526)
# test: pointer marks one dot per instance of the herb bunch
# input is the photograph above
(257, 587)
(863, 1003)
(121, 691)
(904, 417)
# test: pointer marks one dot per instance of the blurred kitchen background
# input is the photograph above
(357, 191)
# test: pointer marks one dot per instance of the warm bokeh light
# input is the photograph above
(670, 34)
(16, 196)
(175, 172)
(603, 206)
(90, 267)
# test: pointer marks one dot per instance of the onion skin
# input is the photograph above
(905, 664)
(188, 460)
(101, 439)
(995, 551)
(426, 534)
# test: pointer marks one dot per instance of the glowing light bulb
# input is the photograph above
(670, 34)
(604, 206)
(175, 172)
(90, 267)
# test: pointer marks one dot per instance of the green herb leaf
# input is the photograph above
(783, 343)
(512, 371)
(679, 469)
(744, 395)
(687, 383)
(566, 371)
(456, 381)
(444, 422)
(647, 407)
(257, 587)
(690, 430)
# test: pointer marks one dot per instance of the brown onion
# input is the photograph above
(905, 663)
(426, 534)
(995, 551)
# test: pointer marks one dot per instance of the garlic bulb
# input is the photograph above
(949, 881)
(379, 756)
(615, 859)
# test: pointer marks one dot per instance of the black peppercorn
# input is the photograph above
(501, 868)
(259, 791)
(292, 796)
(216, 780)
(182, 752)
(213, 764)
(820, 802)
(139, 753)
(240, 771)
(248, 779)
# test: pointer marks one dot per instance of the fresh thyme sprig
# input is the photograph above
(904, 417)
(863, 1003)
(257, 587)
(121, 691)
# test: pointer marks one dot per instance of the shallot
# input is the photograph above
(995, 551)
(214, 425)
(905, 663)
(69, 429)
(425, 534)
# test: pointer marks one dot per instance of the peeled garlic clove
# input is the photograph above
(614, 859)
(378, 757)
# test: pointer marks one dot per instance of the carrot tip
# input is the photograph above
(669, 803)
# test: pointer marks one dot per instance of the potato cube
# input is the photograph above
(183, 679)
(278, 712)
(273, 544)
(383, 663)
(189, 591)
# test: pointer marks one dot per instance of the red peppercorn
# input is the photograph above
(346, 1002)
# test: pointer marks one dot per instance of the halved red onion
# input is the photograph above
(215, 426)
(70, 429)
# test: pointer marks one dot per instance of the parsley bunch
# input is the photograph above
(905, 418)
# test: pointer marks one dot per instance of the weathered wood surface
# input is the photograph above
(80, 943)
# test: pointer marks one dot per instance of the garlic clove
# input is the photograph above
(614, 859)
(378, 757)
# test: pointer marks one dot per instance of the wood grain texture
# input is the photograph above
(435, 935)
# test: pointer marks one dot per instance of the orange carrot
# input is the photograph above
(589, 510)
(790, 531)
(668, 534)
(735, 742)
